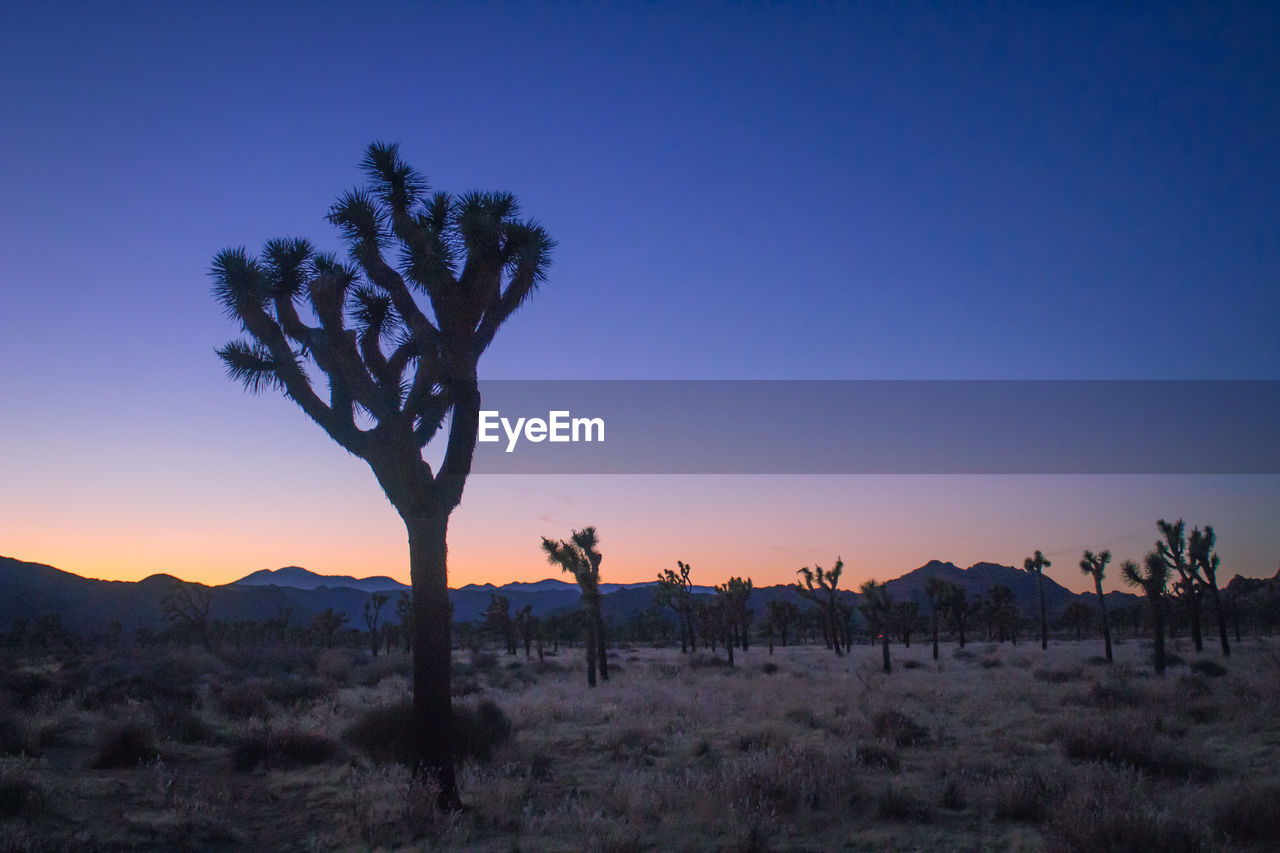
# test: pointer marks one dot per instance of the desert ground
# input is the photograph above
(993, 747)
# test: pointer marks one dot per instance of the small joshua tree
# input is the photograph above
(820, 587)
(497, 618)
(1172, 548)
(580, 556)
(1095, 566)
(877, 608)
(732, 598)
(676, 592)
(1200, 551)
(1152, 577)
(935, 588)
(1037, 564)
(372, 608)
(781, 615)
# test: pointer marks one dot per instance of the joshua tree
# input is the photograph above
(1002, 613)
(497, 618)
(1076, 616)
(676, 591)
(476, 263)
(905, 618)
(372, 608)
(877, 608)
(580, 556)
(955, 604)
(1095, 565)
(781, 614)
(527, 625)
(1038, 564)
(1200, 551)
(732, 598)
(1172, 548)
(326, 625)
(820, 587)
(404, 611)
(1152, 578)
(936, 590)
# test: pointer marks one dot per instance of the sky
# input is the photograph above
(784, 191)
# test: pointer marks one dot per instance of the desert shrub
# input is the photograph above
(1195, 686)
(912, 664)
(894, 803)
(385, 734)
(1058, 676)
(125, 745)
(17, 737)
(990, 663)
(637, 744)
(1130, 743)
(1171, 660)
(963, 654)
(1112, 811)
(1112, 695)
(769, 668)
(756, 741)
(287, 747)
(187, 726)
(294, 689)
(954, 797)
(703, 660)
(1022, 797)
(483, 661)
(878, 755)
(26, 689)
(335, 666)
(243, 701)
(540, 767)
(1248, 814)
(1202, 713)
(1098, 660)
(21, 797)
(897, 727)
(1209, 668)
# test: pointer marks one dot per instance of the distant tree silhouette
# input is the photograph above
(1036, 564)
(935, 588)
(820, 587)
(326, 625)
(1095, 565)
(1152, 577)
(527, 626)
(1201, 555)
(404, 612)
(905, 619)
(955, 604)
(1002, 614)
(1172, 548)
(476, 263)
(675, 591)
(580, 556)
(731, 599)
(1076, 616)
(186, 606)
(877, 607)
(497, 618)
(781, 615)
(372, 608)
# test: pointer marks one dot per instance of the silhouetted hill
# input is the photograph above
(297, 577)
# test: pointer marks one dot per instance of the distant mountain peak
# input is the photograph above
(296, 577)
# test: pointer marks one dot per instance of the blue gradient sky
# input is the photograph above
(758, 192)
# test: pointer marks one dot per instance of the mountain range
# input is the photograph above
(86, 606)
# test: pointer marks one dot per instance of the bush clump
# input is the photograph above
(385, 734)
(126, 745)
(903, 731)
(1209, 668)
(288, 747)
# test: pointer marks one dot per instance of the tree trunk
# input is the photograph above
(935, 635)
(1044, 624)
(1157, 614)
(432, 655)
(602, 659)
(1193, 608)
(1106, 626)
(1222, 619)
(591, 647)
(884, 647)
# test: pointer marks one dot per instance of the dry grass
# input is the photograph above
(1003, 748)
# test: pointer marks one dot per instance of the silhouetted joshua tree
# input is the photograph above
(732, 597)
(1038, 564)
(580, 556)
(935, 588)
(1172, 548)
(1152, 578)
(877, 607)
(372, 608)
(955, 604)
(1095, 566)
(676, 591)
(820, 587)
(404, 612)
(476, 263)
(781, 615)
(1200, 552)
(326, 625)
(497, 618)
